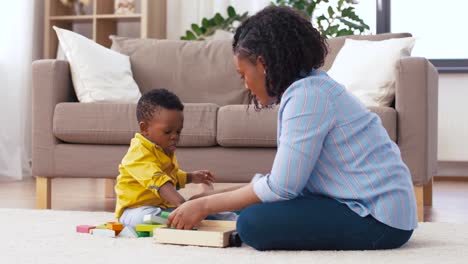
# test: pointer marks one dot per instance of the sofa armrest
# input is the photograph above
(416, 102)
(51, 84)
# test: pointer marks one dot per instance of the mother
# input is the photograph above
(337, 181)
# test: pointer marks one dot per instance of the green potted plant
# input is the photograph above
(338, 20)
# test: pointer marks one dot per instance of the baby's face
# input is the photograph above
(164, 128)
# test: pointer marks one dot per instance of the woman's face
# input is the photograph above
(253, 76)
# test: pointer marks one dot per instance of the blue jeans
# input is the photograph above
(314, 223)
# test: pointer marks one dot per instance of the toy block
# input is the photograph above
(143, 234)
(129, 232)
(117, 227)
(154, 219)
(165, 214)
(209, 233)
(103, 226)
(84, 228)
(147, 228)
(103, 232)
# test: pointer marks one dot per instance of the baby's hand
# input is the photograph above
(203, 176)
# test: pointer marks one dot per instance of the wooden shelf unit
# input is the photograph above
(102, 22)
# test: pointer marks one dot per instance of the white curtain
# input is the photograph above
(20, 43)
(182, 13)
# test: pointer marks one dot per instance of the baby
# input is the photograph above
(149, 174)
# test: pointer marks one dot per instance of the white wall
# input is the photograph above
(182, 13)
(453, 117)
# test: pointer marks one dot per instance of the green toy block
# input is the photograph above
(143, 234)
(165, 214)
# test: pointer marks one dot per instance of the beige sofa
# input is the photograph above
(78, 140)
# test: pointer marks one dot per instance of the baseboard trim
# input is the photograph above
(458, 169)
(451, 178)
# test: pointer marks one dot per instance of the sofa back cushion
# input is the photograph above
(335, 44)
(239, 126)
(201, 71)
(197, 71)
(117, 124)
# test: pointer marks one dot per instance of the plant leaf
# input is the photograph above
(231, 12)
(218, 19)
(190, 35)
(344, 32)
(205, 23)
(351, 24)
(197, 29)
(310, 9)
(330, 11)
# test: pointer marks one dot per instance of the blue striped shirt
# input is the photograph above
(330, 144)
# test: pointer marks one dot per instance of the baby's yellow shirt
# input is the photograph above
(144, 169)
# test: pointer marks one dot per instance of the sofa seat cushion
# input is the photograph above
(117, 124)
(239, 127)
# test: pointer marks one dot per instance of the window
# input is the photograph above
(365, 9)
(437, 27)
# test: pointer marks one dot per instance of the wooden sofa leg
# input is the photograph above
(43, 192)
(427, 192)
(109, 188)
(419, 193)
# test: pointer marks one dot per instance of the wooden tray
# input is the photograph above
(209, 233)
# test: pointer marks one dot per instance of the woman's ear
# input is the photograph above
(261, 66)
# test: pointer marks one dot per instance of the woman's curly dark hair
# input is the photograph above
(290, 46)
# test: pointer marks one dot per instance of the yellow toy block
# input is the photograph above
(103, 226)
(147, 228)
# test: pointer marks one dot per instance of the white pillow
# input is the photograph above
(368, 69)
(99, 75)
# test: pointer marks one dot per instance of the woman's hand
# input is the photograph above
(192, 212)
(188, 214)
(202, 176)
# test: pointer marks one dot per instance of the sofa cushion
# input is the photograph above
(99, 75)
(117, 123)
(197, 71)
(335, 44)
(239, 126)
(373, 78)
(242, 127)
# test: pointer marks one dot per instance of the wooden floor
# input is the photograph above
(450, 197)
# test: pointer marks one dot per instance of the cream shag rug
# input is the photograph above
(48, 236)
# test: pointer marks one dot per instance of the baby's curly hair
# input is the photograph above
(290, 46)
(153, 100)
